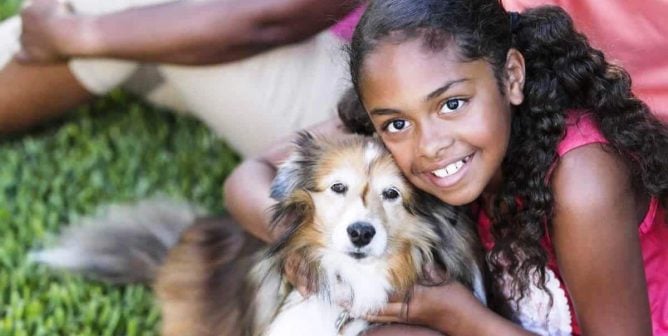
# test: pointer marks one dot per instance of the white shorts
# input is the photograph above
(249, 103)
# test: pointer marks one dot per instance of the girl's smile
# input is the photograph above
(447, 174)
(445, 120)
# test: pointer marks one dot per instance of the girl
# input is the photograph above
(518, 117)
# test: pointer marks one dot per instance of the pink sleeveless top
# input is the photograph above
(534, 312)
(345, 28)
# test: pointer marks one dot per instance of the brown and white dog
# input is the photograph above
(358, 227)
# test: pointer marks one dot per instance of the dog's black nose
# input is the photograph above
(361, 233)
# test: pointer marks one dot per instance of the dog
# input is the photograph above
(359, 230)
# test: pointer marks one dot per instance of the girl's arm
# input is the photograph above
(182, 32)
(246, 190)
(450, 309)
(595, 235)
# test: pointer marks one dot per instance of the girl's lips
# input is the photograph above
(451, 179)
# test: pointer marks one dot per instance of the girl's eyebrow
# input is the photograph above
(383, 112)
(444, 88)
(388, 111)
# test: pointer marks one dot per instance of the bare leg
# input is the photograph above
(30, 95)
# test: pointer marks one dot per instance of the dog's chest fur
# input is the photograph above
(313, 316)
(347, 291)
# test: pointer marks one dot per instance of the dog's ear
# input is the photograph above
(287, 178)
(292, 174)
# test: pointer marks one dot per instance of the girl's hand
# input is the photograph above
(450, 308)
(45, 29)
(442, 307)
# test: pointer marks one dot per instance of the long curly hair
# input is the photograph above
(564, 75)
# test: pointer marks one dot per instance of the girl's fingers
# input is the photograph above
(403, 296)
(303, 290)
(381, 319)
(397, 297)
(22, 56)
(392, 312)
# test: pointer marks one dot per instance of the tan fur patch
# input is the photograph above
(402, 268)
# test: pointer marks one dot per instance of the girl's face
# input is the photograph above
(445, 121)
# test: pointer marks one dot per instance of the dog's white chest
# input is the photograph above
(311, 317)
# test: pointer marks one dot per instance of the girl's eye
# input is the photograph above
(339, 188)
(397, 125)
(451, 105)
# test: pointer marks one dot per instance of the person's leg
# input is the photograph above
(257, 101)
(32, 94)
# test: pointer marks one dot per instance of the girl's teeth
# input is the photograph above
(449, 169)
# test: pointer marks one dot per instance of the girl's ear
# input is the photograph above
(514, 71)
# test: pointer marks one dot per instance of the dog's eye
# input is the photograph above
(339, 188)
(390, 194)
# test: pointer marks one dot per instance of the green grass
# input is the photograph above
(8, 7)
(115, 149)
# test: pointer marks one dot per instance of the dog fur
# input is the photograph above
(358, 227)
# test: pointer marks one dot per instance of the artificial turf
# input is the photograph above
(116, 149)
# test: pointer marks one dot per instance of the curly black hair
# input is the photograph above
(564, 75)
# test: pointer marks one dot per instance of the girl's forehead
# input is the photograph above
(407, 52)
(410, 68)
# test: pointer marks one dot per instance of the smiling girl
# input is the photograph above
(518, 118)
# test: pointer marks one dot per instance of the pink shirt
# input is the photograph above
(345, 28)
(653, 233)
(632, 33)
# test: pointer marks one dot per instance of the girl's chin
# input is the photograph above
(461, 197)
(456, 197)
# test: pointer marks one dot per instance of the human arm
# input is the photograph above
(449, 308)
(595, 235)
(246, 191)
(180, 32)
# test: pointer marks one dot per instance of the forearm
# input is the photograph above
(452, 309)
(481, 321)
(247, 190)
(247, 197)
(199, 32)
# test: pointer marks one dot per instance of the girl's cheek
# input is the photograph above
(404, 161)
(402, 153)
(399, 153)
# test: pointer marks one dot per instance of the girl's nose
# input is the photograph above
(434, 140)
